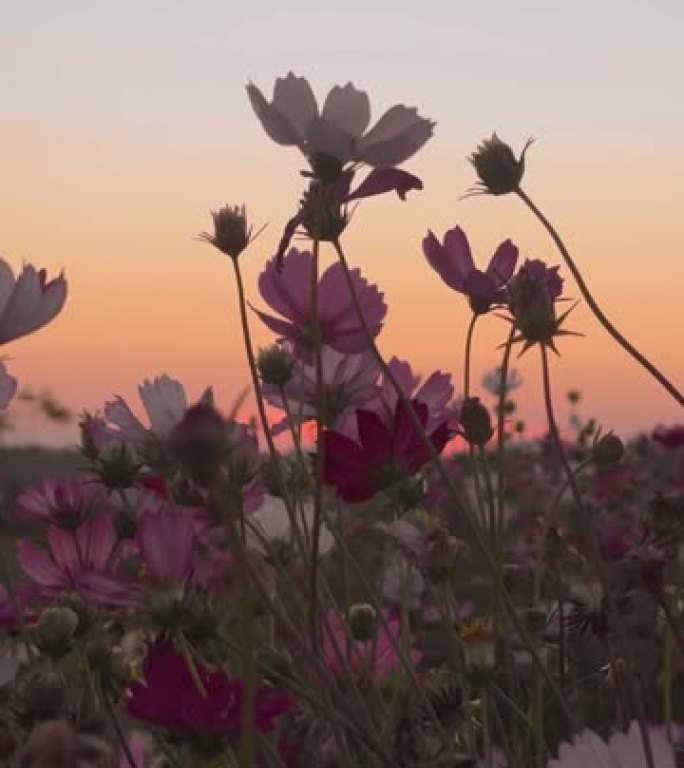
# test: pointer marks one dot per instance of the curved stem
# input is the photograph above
(501, 436)
(480, 545)
(254, 373)
(468, 350)
(591, 303)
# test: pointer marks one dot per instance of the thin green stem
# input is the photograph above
(591, 303)
(468, 352)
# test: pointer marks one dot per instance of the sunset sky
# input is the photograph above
(123, 123)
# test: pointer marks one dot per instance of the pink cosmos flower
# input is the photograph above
(28, 302)
(349, 381)
(453, 261)
(66, 503)
(167, 542)
(289, 293)
(376, 657)
(435, 392)
(84, 562)
(384, 454)
(338, 131)
(8, 386)
(169, 697)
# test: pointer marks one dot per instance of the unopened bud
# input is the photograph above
(476, 422)
(500, 172)
(608, 450)
(363, 621)
(55, 631)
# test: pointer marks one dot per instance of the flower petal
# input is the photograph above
(381, 180)
(276, 125)
(324, 138)
(398, 135)
(348, 108)
(294, 99)
(503, 262)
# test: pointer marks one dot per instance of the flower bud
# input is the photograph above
(476, 423)
(608, 450)
(531, 296)
(323, 216)
(55, 630)
(497, 167)
(363, 621)
(231, 234)
(117, 466)
(275, 365)
(45, 695)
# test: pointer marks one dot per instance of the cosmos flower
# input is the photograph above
(376, 656)
(382, 456)
(349, 382)
(166, 540)
(338, 132)
(28, 302)
(453, 262)
(84, 562)
(66, 503)
(169, 697)
(625, 750)
(288, 292)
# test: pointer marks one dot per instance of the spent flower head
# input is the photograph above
(231, 233)
(499, 170)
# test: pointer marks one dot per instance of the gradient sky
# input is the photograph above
(123, 123)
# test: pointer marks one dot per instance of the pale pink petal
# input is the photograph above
(130, 427)
(286, 287)
(32, 304)
(276, 125)
(165, 402)
(348, 108)
(458, 252)
(324, 138)
(294, 99)
(398, 135)
(6, 284)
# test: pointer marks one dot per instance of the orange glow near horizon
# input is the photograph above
(117, 206)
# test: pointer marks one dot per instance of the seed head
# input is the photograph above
(231, 234)
(497, 167)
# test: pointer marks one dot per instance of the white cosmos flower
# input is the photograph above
(165, 403)
(623, 750)
(29, 301)
(293, 118)
(270, 524)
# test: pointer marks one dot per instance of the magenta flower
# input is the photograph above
(288, 292)
(84, 562)
(338, 131)
(167, 542)
(169, 697)
(669, 437)
(453, 261)
(66, 503)
(435, 393)
(28, 302)
(383, 455)
(375, 657)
